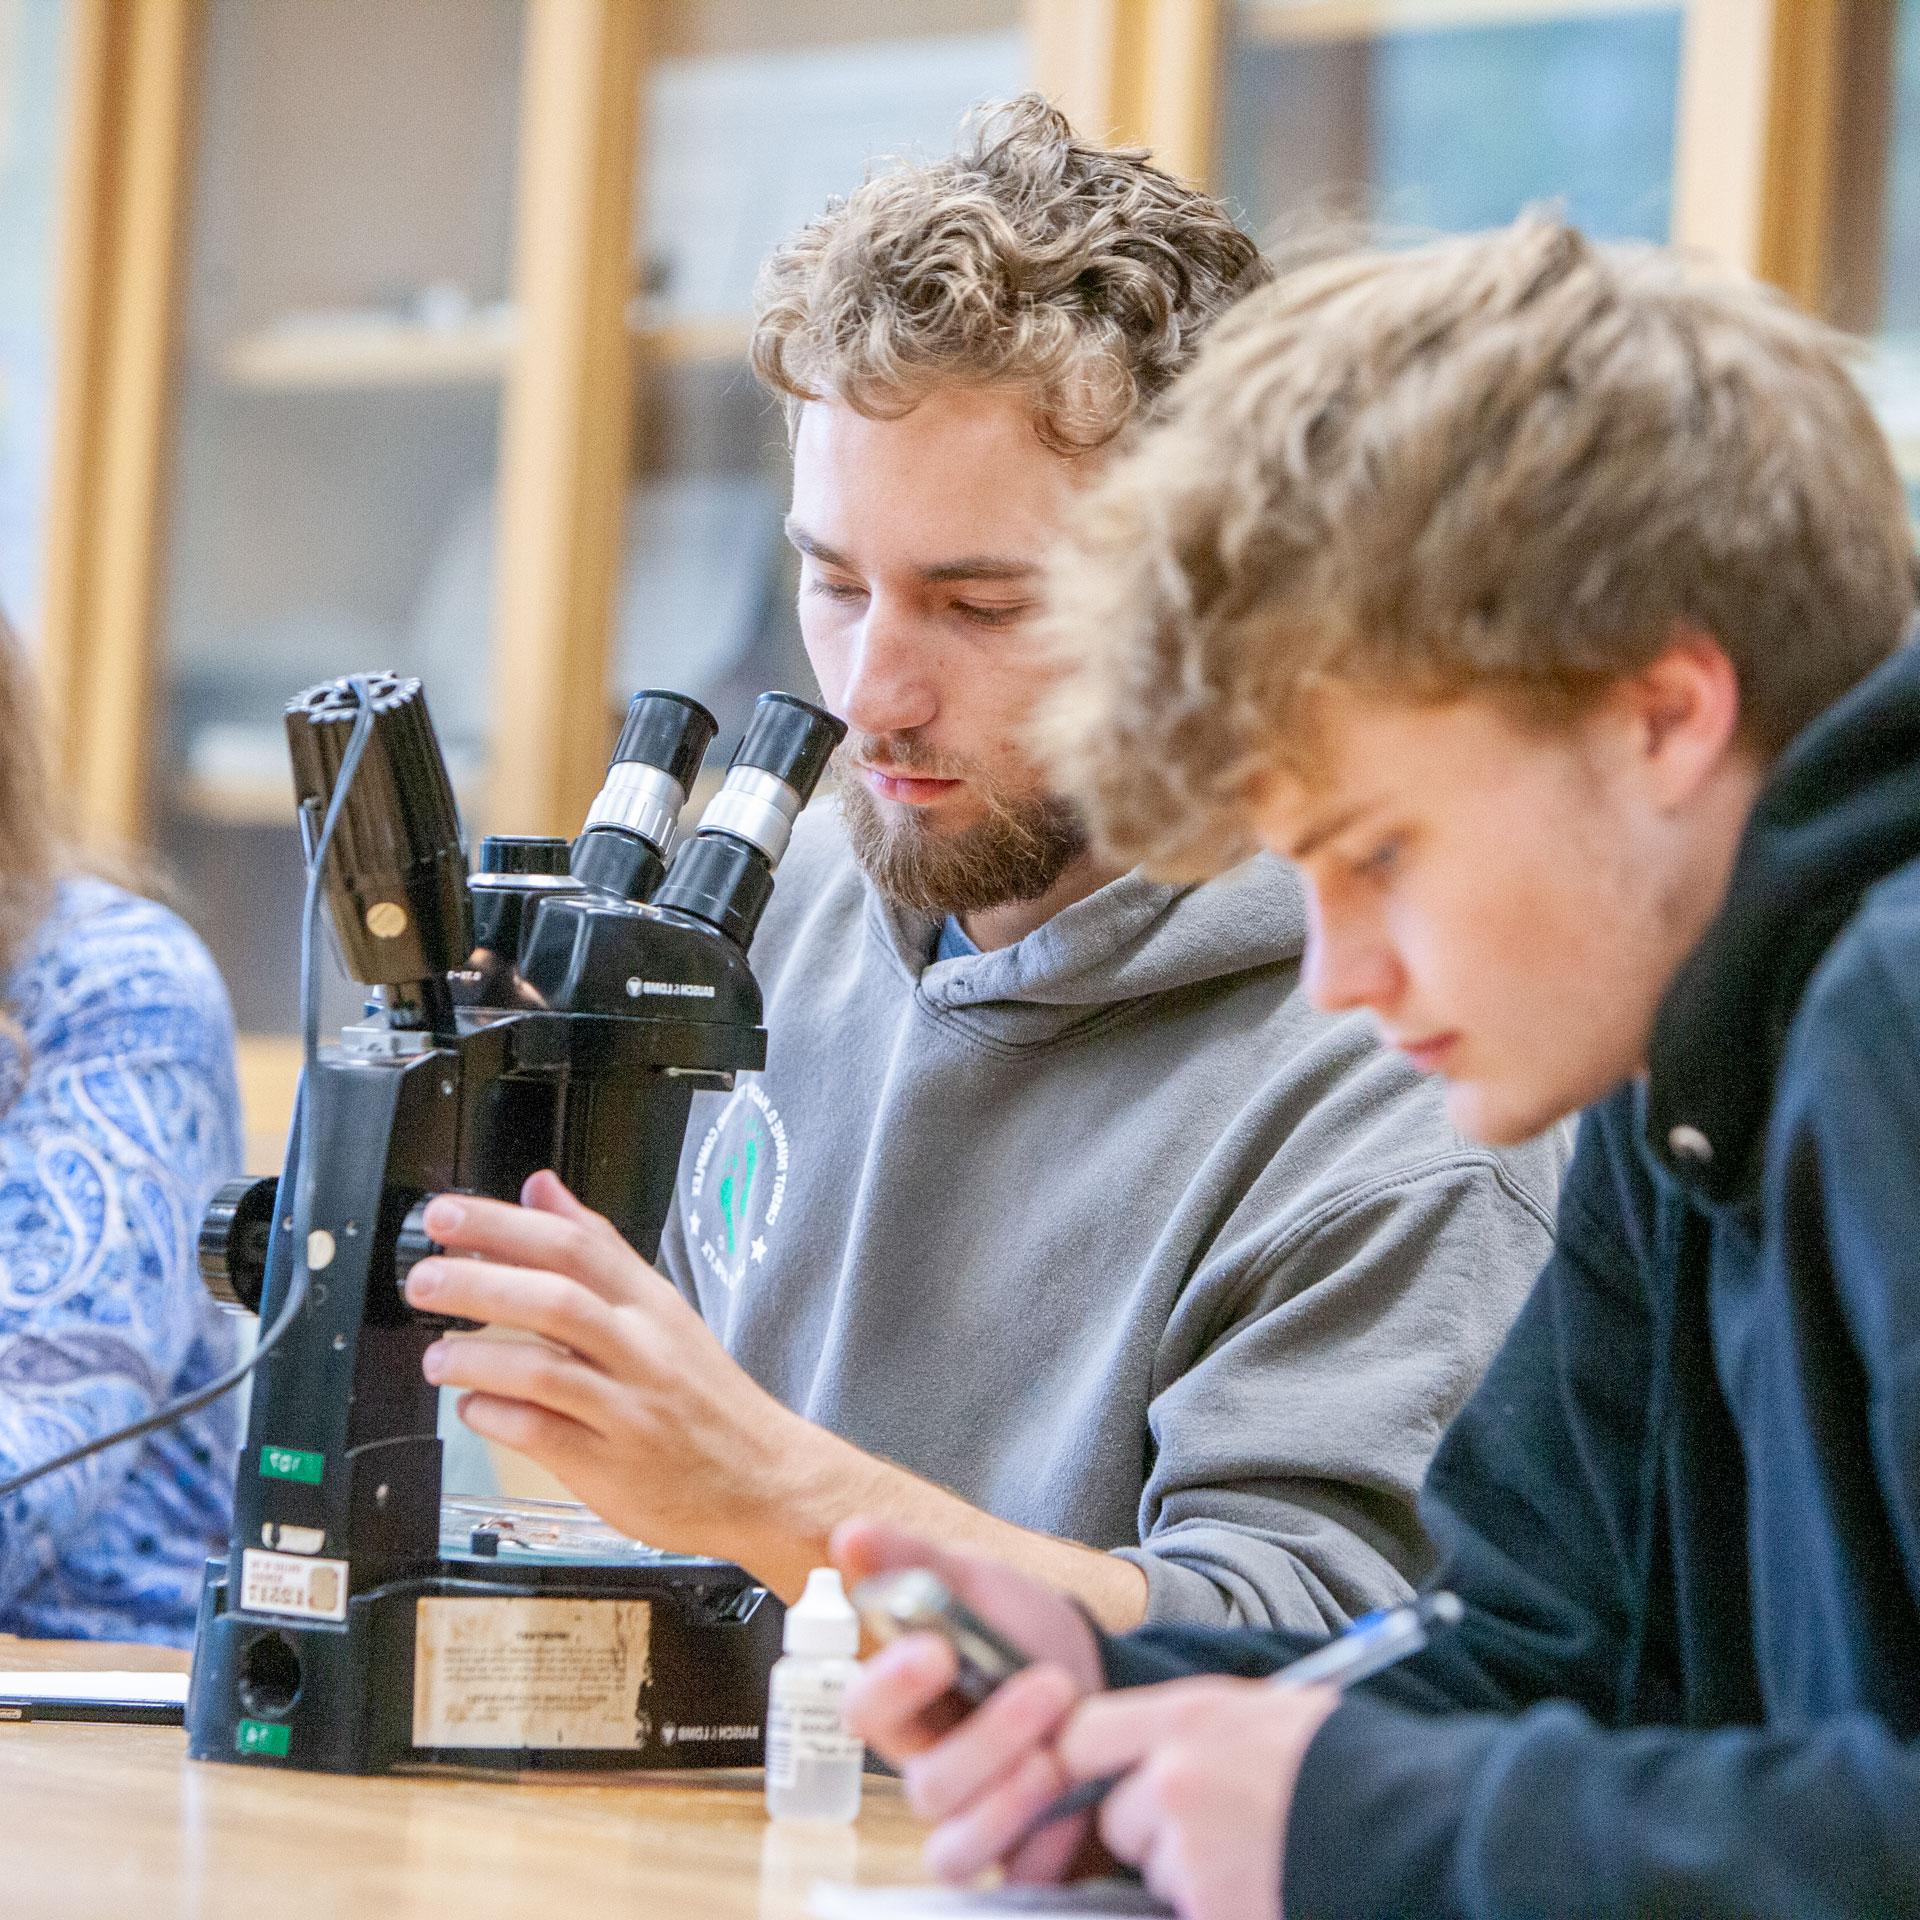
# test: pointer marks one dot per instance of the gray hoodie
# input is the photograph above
(1109, 1231)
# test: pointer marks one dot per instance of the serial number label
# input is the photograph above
(289, 1463)
(286, 1583)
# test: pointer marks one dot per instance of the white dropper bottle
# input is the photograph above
(813, 1762)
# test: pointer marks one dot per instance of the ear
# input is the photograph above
(1683, 711)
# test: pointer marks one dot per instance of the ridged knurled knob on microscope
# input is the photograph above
(235, 1233)
(411, 1245)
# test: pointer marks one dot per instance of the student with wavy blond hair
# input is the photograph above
(1058, 1223)
(118, 1117)
(1550, 605)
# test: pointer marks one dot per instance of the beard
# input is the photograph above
(1025, 843)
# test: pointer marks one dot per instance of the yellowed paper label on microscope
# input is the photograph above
(531, 1673)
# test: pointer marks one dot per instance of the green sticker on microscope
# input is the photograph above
(262, 1736)
(287, 1463)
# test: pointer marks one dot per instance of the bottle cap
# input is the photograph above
(822, 1621)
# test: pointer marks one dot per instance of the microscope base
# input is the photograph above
(475, 1663)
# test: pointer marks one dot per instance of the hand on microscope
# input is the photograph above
(633, 1404)
(626, 1397)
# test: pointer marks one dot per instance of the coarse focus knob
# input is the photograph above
(236, 1232)
(523, 853)
(412, 1244)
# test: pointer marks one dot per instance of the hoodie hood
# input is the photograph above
(1839, 812)
(1132, 939)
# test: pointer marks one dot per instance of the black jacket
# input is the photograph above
(1683, 1508)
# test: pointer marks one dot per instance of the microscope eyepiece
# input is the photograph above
(724, 875)
(791, 740)
(631, 825)
(668, 731)
(779, 763)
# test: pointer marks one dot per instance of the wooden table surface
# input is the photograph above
(117, 1822)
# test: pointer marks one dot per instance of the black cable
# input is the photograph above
(303, 1199)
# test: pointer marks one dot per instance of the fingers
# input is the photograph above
(1132, 1814)
(1067, 1849)
(986, 1780)
(514, 1370)
(889, 1697)
(980, 1835)
(1114, 1732)
(863, 1548)
(546, 1192)
(553, 1305)
(1033, 1617)
(558, 1235)
(1015, 1721)
(550, 1439)
(1003, 1598)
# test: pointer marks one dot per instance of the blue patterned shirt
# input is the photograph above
(115, 1127)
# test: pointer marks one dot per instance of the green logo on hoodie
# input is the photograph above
(736, 1190)
(738, 1187)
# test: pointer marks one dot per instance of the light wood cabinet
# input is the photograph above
(411, 332)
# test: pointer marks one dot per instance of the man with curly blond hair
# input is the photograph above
(1059, 1223)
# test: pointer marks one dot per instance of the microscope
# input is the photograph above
(558, 1008)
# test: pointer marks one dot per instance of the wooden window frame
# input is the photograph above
(1768, 176)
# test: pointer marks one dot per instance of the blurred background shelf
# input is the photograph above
(368, 353)
(237, 801)
(234, 802)
(371, 353)
(268, 1068)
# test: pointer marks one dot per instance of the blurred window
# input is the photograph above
(345, 332)
(33, 49)
(1875, 275)
(1451, 114)
(756, 116)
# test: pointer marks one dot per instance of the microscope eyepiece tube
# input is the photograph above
(757, 807)
(632, 823)
(641, 799)
(791, 740)
(665, 730)
(724, 874)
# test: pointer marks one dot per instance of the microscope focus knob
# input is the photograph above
(411, 1245)
(235, 1233)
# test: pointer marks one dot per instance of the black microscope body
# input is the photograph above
(558, 1010)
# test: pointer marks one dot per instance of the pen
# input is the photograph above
(1374, 1641)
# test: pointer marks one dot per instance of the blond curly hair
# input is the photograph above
(1507, 463)
(1082, 274)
